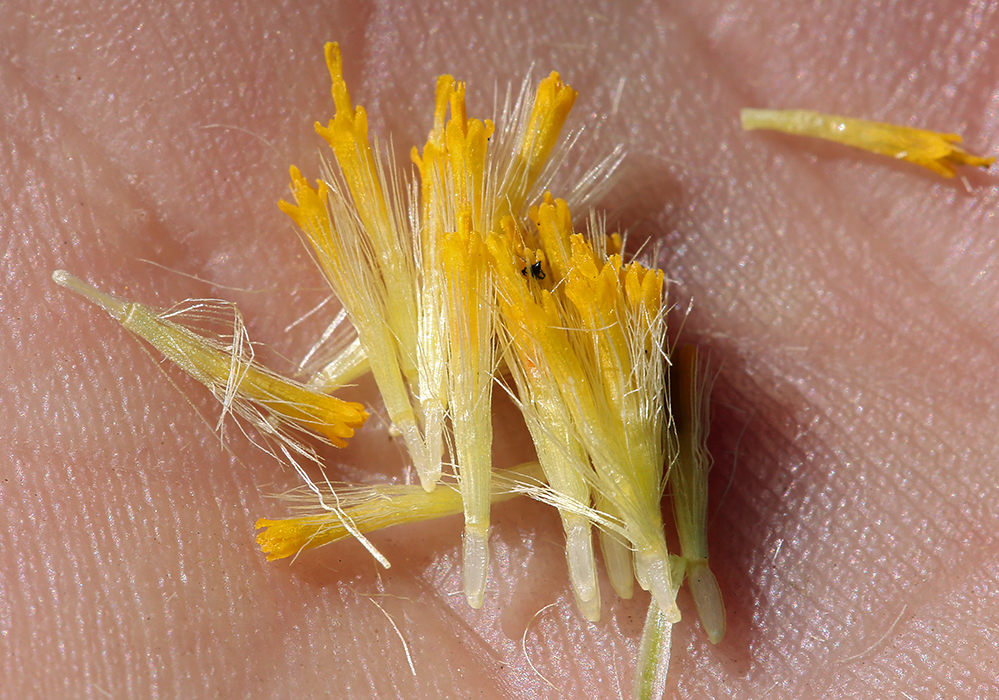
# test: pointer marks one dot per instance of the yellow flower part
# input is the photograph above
(933, 150)
(627, 372)
(347, 134)
(453, 165)
(540, 354)
(536, 138)
(552, 104)
(431, 351)
(382, 217)
(362, 509)
(616, 396)
(475, 185)
(469, 309)
(347, 258)
(592, 342)
(232, 377)
(355, 222)
(452, 171)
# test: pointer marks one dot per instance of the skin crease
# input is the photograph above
(850, 302)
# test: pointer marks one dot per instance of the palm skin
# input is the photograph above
(850, 301)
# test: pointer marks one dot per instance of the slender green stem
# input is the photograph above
(653, 655)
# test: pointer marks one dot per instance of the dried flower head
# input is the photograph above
(472, 267)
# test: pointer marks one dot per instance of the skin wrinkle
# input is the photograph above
(196, 213)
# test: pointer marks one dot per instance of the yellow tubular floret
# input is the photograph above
(347, 134)
(554, 222)
(229, 375)
(467, 144)
(431, 166)
(469, 305)
(378, 207)
(431, 329)
(933, 150)
(552, 103)
(346, 257)
(363, 509)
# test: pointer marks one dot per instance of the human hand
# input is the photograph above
(850, 301)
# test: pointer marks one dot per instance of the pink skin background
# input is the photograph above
(851, 302)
